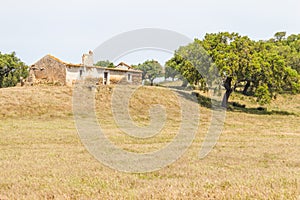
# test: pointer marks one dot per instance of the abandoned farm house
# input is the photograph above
(52, 70)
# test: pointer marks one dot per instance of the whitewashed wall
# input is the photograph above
(73, 74)
(93, 72)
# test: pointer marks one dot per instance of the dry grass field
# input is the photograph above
(42, 157)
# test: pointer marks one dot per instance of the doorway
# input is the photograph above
(105, 78)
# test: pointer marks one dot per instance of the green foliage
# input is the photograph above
(151, 69)
(263, 95)
(171, 72)
(292, 80)
(105, 63)
(194, 65)
(289, 48)
(260, 69)
(9, 81)
(185, 67)
(11, 70)
(280, 35)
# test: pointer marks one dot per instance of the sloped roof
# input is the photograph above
(65, 63)
(60, 61)
(129, 68)
(123, 64)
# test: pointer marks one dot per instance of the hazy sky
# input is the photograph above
(66, 29)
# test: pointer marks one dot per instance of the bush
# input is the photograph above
(263, 95)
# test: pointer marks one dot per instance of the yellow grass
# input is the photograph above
(41, 156)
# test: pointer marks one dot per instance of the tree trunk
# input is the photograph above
(151, 82)
(229, 90)
(184, 83)
(226, 98)
(246, 88)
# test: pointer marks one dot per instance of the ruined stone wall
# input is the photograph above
(137, 78)
(48, 70)
(121, 77)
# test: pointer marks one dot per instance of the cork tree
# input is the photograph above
(12, 69)
(259, 69)
(151, 69)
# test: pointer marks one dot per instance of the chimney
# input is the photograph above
(88, 59)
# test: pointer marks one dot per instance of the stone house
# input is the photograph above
(50, 69)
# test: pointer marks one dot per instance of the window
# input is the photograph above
(80, 72)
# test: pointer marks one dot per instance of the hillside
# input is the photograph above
(42, 101)
(48, 101)
(41, 156)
